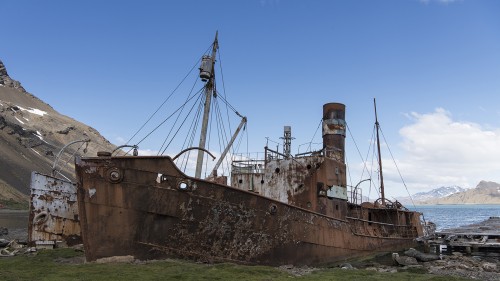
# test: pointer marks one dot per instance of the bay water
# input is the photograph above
(451, 216)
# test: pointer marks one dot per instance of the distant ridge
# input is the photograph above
(486, 192)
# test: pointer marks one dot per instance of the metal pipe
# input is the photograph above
(135, 147)
(191, 148)
(61, 151)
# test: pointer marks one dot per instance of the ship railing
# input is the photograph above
(382, 229)
(248, 163)
(311, 148)
(355, 195)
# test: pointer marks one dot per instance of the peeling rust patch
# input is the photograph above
(53, 211)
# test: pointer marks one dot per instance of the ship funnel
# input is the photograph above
(334, 131)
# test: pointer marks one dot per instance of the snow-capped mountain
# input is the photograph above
(486, 192)
(438, 193)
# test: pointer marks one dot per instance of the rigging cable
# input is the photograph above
(317, 129)
(359, 152)
(397, 168)
(224, 89)
(163, 103)
(189, 140)
(169, 96)
(156, 128)
(176, 119)
(180, 126)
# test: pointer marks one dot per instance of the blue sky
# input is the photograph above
(434, 67)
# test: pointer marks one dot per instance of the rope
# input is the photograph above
(194, 128)
(224, 89)
(178, 128)
(397, 168)
(175, 89)
(317, 129)
(156, 128)
(178, 116)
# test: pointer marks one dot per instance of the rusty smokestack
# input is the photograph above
(334, 131)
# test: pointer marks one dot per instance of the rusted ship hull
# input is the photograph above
(147, 208)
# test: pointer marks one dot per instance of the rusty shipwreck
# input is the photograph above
(279, 209)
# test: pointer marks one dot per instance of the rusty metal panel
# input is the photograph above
(53, 211)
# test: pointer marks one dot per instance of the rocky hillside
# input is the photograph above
(31, 135)
(486, 192)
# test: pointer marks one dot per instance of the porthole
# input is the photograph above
(114, 175)
(273, 209)
(183, 186)
(277, 170)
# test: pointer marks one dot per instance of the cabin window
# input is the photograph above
(369, 218)
(261, 181)
(277, 170)
(309, 166)
(337, 207)
(240, 181)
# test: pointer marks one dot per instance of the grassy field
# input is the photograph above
(66, 264)
(14, 205)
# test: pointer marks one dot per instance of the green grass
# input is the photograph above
(52, 265)
(14, 205)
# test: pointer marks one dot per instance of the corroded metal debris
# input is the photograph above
(477, 238)
(53, 212)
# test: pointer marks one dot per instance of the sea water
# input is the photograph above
(451, 216)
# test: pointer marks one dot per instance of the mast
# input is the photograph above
(382, 195)
(206, 73)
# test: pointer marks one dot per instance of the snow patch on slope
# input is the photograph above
(19, 120)
(33, 110)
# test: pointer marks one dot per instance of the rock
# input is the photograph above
(488, 266)
(421, 256)
(404, 260)
(116, 259)
(66, 130)
(3, 231)
(346, 266)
